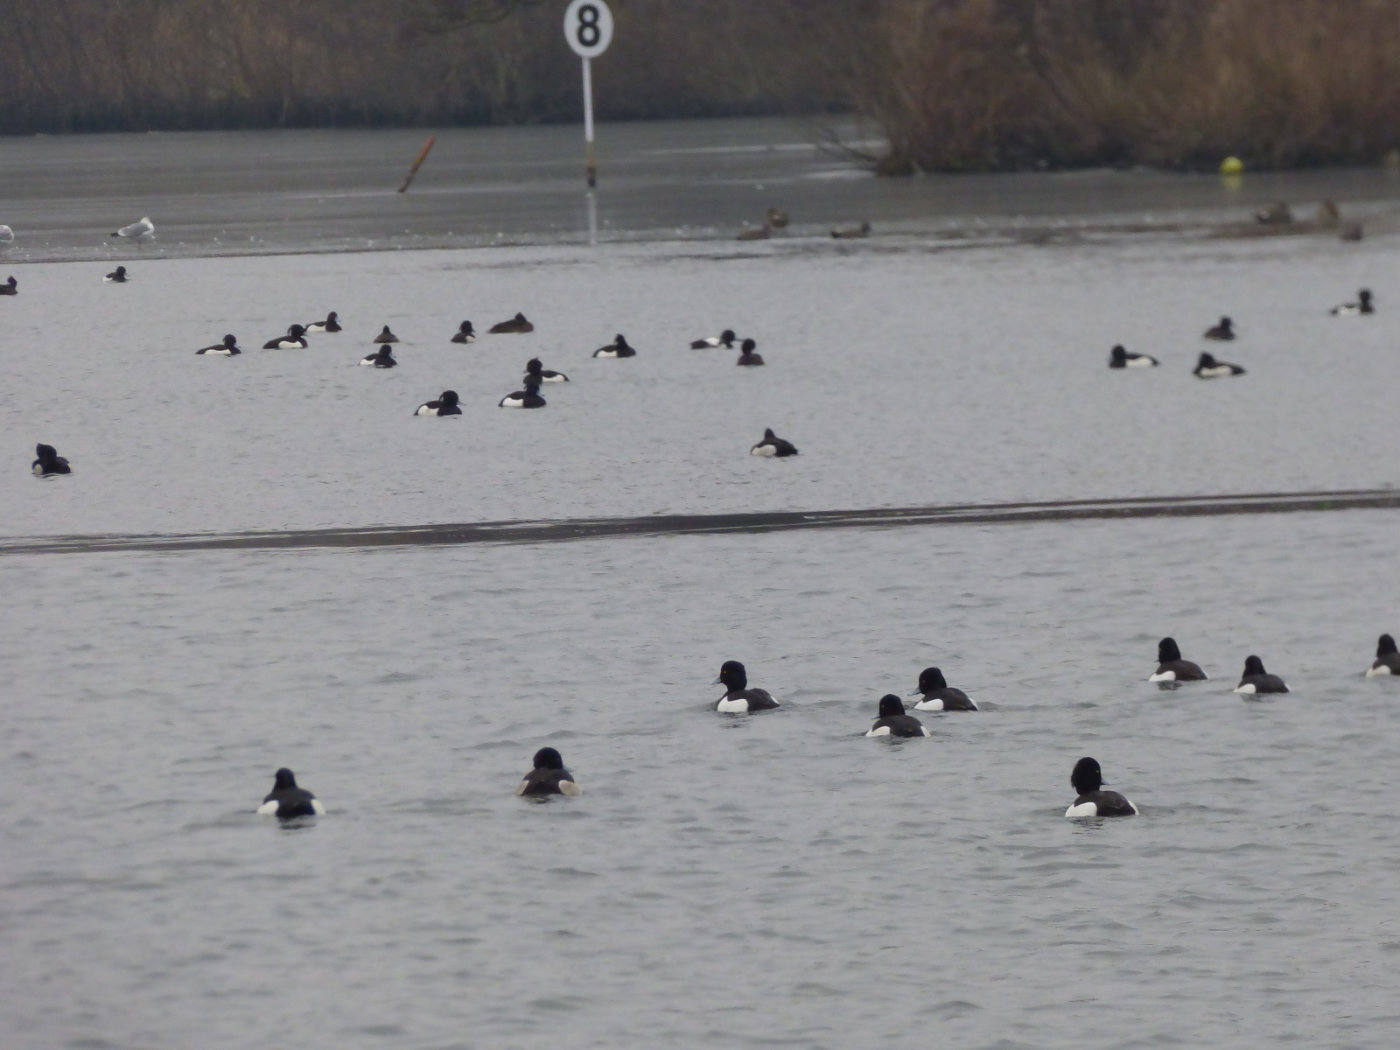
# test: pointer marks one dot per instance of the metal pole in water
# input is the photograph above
(588, 26)
(591, 164)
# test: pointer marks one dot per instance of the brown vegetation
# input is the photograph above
(954, 84)
(994, 84)
(86, 65)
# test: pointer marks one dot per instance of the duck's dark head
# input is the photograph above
(1087, 776)
(1253, 665)
(296, 331)
(733, 675)
(230, 341)
(1207, 360)
(748, 346)
(1167, 651)
(891, 705)
(1385, 646)
(1118, 355)
(727, 336)
(533, 366)
(548, 758)
(448, 399)
(931, 678)
(284, 778)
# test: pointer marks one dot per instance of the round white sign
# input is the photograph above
(588, 26)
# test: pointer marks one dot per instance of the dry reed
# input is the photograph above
(956, 85)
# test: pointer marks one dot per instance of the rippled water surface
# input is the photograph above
(726, 881)
(904, 376)
(776, 880)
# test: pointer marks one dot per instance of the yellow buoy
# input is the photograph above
(1231, 166)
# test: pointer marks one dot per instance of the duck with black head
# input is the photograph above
(49, 462)
(517, 325)
(227, 348)
(1256, 680)
(1172, 668)
(381, 358)
(738, 697)
(527, 398)
(772, 445)
(709, 342)
(1223, 330)
(446, 404)
(548, 777)
(749, 355)
(287, 801)
(1207, 367)
(330, 324)
(893, 721)
(1387, 659)
(935, 694)
(1093, 801)
(619, 347)
(1121, 357)
(1364, 305)
(536, 370)
(295, 339)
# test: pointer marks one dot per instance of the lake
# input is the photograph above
(751, 881)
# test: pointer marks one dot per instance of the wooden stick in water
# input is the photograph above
(417, 163)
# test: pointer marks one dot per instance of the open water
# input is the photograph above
(723, 881)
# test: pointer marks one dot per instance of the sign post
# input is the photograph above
(588, 27)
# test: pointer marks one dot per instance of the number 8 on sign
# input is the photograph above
(588, 26)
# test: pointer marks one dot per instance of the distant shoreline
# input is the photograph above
(720, 244)
(959, 86)
(684, 187)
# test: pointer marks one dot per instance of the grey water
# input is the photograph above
(290, 191)
(775, 880)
